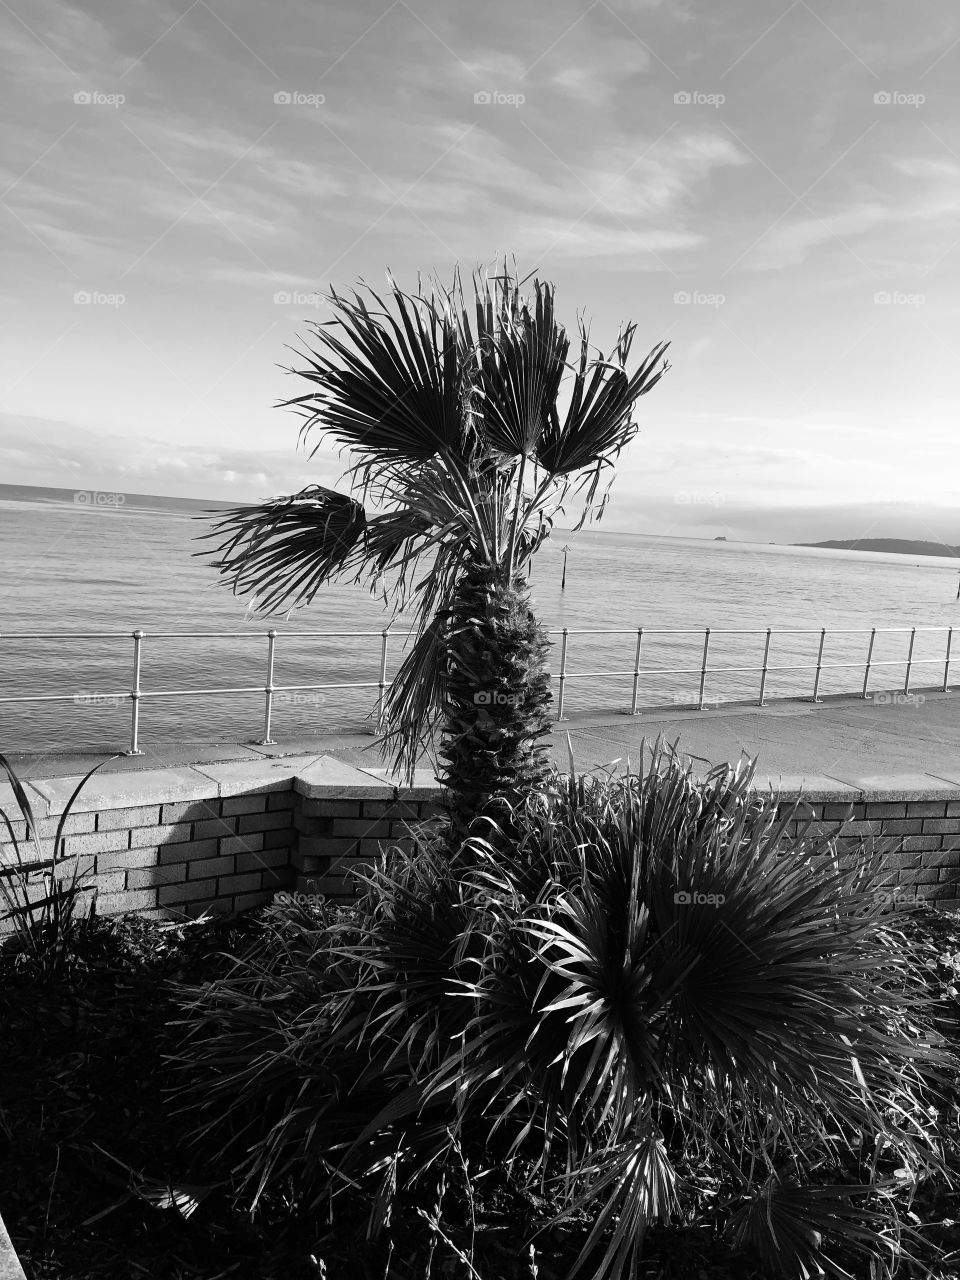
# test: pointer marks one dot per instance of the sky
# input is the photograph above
(772, 187)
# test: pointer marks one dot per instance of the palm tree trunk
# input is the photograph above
(496, 699)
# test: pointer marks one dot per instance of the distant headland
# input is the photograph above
(892, 546)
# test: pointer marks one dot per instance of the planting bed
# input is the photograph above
(99, 1179)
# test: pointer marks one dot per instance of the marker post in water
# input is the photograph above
(563, 580)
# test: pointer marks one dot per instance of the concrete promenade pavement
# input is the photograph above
(842, 742)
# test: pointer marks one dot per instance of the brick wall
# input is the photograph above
(228, 837)
(922, 836)
(337, 837)
(306, 828)
(227, 853)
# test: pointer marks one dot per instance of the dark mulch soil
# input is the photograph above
(89, 1148)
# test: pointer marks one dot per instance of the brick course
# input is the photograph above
(235, 852)
(97, 842)
(187, 851)
(251, 843)
(144, 816)
(244, 804)
(190, 810)
(263, 822)
(172, 833)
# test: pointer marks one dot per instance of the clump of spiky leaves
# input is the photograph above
(448, 406)
(43, 919)
(655, 968)
(496, 700)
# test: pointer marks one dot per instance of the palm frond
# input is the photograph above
(791, 1227)
(520, 363)
(413, 701)
(627, 1185)
(598, 422)
(282, 551)
(392, 387)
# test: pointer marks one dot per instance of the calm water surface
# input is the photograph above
(77, 569)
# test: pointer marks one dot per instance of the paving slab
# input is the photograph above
(340, 744)
(844, 738)
(849, 739)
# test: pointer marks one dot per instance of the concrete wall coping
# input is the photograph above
(8, 802)
(123, 790)
(270, 773)
(10, 1268)
(856, 790)
(326, 777)
(334, 779)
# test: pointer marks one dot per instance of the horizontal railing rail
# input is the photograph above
(136, 694)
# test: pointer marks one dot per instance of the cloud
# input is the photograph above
(931, 194)
(612, 206)
(58, 455)
(788, 244)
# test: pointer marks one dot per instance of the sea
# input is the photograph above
(78, 578)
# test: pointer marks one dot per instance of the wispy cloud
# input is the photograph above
(634, 151)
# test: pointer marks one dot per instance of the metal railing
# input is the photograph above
(764, 667)
(136, 693)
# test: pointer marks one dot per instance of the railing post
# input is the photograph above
(866, 670)
(135, 697)
(266, 740)
(382, 683)
(946, 664)
(763, 672)
(703, 667)
(636, 672)
(816, 679)
(563, 672)
(906, 679)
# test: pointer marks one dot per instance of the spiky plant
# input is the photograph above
(44, 928)
(461, 460)
(660, 985)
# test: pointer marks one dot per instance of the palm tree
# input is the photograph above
(461, 460)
